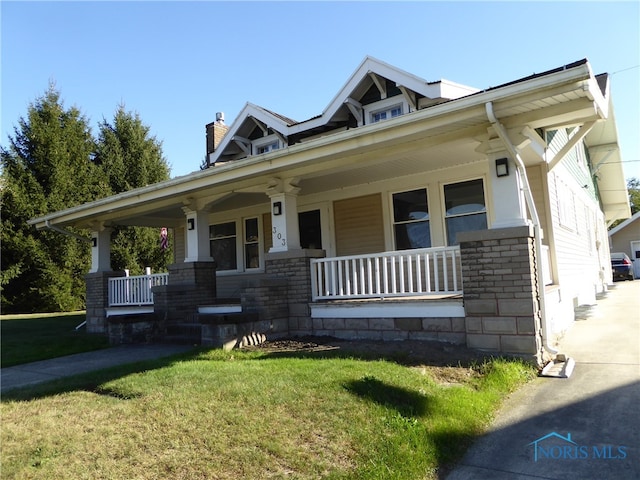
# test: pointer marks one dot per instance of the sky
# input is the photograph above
(178, 63)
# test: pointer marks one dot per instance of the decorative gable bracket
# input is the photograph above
(356, 110)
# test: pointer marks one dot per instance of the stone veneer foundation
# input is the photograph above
(501, 298)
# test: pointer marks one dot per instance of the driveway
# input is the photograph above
(583, 427)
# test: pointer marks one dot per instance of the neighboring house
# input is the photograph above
(625, 237)
(406, 210)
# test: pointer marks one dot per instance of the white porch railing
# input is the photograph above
(127, 291)
(427, 271)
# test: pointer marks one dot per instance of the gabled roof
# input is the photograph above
(370, 72)
(624, 224)
(410, 143)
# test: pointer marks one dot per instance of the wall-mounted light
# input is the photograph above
(277, 208)
(94, 242)
(502, 167)
(191, 224)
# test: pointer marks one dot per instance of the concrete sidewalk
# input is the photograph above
(46, 370)
(583, 427)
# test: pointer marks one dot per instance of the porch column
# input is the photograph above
(197, 241)
(506, 190)
(284, 214)
(101, 250)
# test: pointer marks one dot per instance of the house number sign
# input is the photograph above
(279, 237)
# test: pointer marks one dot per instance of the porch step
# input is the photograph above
(225, 318)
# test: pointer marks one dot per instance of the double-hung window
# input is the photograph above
(251, 243)
(222, 240)
(411, 220)
(465, 208)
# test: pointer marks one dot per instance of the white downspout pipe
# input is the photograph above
(528, 196)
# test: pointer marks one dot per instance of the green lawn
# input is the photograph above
(28, 338)
(252, 415)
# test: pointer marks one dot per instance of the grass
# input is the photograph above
(28, 338)
(233, 415)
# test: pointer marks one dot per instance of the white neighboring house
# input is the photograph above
(407, 209)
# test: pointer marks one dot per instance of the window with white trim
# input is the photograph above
(265, 144)
(465, 208)
(411, 220)
(391, 112)
(251, 243)
(222, 242)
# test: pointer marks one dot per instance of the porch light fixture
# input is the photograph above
(277, 208)
(94, 242)
(190, 224)
(502, 167)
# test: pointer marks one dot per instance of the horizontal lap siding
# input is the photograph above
(359, 225)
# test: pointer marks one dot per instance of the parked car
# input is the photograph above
(621, 266)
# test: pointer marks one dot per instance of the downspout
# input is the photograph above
(66, 232)
(537, 238)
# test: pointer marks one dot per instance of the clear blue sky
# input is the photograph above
(178, 63)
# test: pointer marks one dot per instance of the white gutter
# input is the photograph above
(66, 232)
(537, 238)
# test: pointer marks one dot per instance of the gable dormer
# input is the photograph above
(374, 93)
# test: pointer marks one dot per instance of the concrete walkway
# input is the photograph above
(583, 427)
(46, 370)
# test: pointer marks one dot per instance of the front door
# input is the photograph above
(635, 258)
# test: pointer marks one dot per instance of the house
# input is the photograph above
(625, 237)
(407, 209)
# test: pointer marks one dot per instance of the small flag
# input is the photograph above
(164, 238)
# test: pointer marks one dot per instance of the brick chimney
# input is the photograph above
(215, 132)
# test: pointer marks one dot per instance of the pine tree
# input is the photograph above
(47, 167)
(130, 158)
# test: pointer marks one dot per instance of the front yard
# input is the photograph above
(309, 413)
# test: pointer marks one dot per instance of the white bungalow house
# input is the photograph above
(407, 209)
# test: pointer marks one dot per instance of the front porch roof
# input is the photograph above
(439, 136)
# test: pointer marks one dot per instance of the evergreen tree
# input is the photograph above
(47, 167)
(130, 158)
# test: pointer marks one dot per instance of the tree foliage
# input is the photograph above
(46, 167)
(633, 187)
(132, 158)
(53, 162)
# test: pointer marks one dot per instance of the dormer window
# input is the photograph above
(266, 145)
(385, 109)
(385, 114)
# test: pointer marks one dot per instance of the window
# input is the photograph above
(465, 208)
(411, 220)
(222, 240)
(310, 229)
(251, 243)
(269, 147)
(392, 112)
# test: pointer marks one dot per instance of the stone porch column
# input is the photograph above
(97, 299)
(501, 298)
